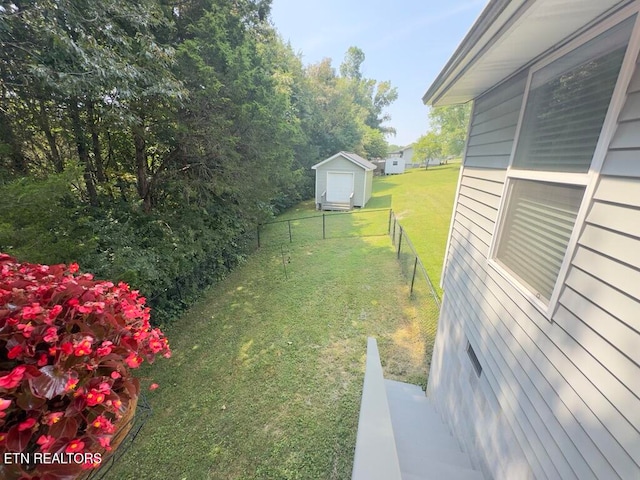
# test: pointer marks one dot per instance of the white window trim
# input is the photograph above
(589, 179)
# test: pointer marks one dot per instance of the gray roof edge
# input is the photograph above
(361, 161)
(489, 15)
(352, 157)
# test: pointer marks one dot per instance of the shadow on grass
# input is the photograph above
(379, 201)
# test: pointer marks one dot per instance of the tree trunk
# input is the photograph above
(54, 153)
(7, 136)
(142, 168)
(83, 153)
(95, 140)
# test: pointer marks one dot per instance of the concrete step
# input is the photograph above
(426, 450)
(336, 206)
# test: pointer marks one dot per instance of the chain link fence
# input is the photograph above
(324, 225)
(421, 289)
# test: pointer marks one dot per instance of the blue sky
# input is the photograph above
(404, 41)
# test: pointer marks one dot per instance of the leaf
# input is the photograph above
(18, 440)
(50, 383)
(67, 427)
(27, 401)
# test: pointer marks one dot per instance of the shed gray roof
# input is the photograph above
(354, 158)
(508, 35)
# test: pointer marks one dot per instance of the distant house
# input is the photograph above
(343, 181)
(406, 153)
(536, 368)
(394, 165)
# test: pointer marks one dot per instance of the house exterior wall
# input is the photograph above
(558, 397)
(341, 164)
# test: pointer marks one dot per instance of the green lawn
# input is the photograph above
(267, 371)
(423, 202)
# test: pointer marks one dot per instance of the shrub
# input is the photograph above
(68, 345)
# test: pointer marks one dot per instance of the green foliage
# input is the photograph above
(144, 145)
(448, 132)
(42, 220)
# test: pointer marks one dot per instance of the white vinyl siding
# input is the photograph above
(556, 399)
(493, 125)
(623, 157)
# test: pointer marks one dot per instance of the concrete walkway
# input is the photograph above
(401, 436)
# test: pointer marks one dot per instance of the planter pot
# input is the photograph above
(123, 427)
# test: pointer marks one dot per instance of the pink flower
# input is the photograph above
(27, 424)
(133, 360)
(13, 379)
(83, 347)
(54, 312)
(26, 329)
(75, 445)
(74, 267)
(53, 417)
(51, 335)
(105, 349)
(31, 312)
(4, 404)
(45, 442)
(104, 424)
(105, 442)
(15, 352)
(153, 386)
(94, 397)
(72, 383)
(43, 359)
(115, 375)
(67, 348)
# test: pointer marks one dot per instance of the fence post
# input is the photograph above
(258, 231)
(389, 227)
(393, 237)
(400, 241)
(290, 239)
(413, 278)
(323, 234)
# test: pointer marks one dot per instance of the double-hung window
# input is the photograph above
(566, 104)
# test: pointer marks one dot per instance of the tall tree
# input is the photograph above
(448, 131)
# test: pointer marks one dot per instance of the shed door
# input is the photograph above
(339, 186)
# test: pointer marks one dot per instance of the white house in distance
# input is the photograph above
(536, 368)
(394, 165)
(343, 181)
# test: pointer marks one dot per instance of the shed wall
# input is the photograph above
(341, 164)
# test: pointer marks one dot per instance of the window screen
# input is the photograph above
(537, 227)
(567, 104)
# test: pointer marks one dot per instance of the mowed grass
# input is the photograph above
(423, 201)
(266, 376)
(267, 371)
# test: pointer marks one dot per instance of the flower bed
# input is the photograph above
(68, 344)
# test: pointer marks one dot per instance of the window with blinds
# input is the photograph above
(562, 125)
(538, 223)
(565, 110)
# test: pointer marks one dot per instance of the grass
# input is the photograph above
(267, 371)
(423, 201)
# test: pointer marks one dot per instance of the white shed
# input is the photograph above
(343, 181)
(394, 165)
(536, 368)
